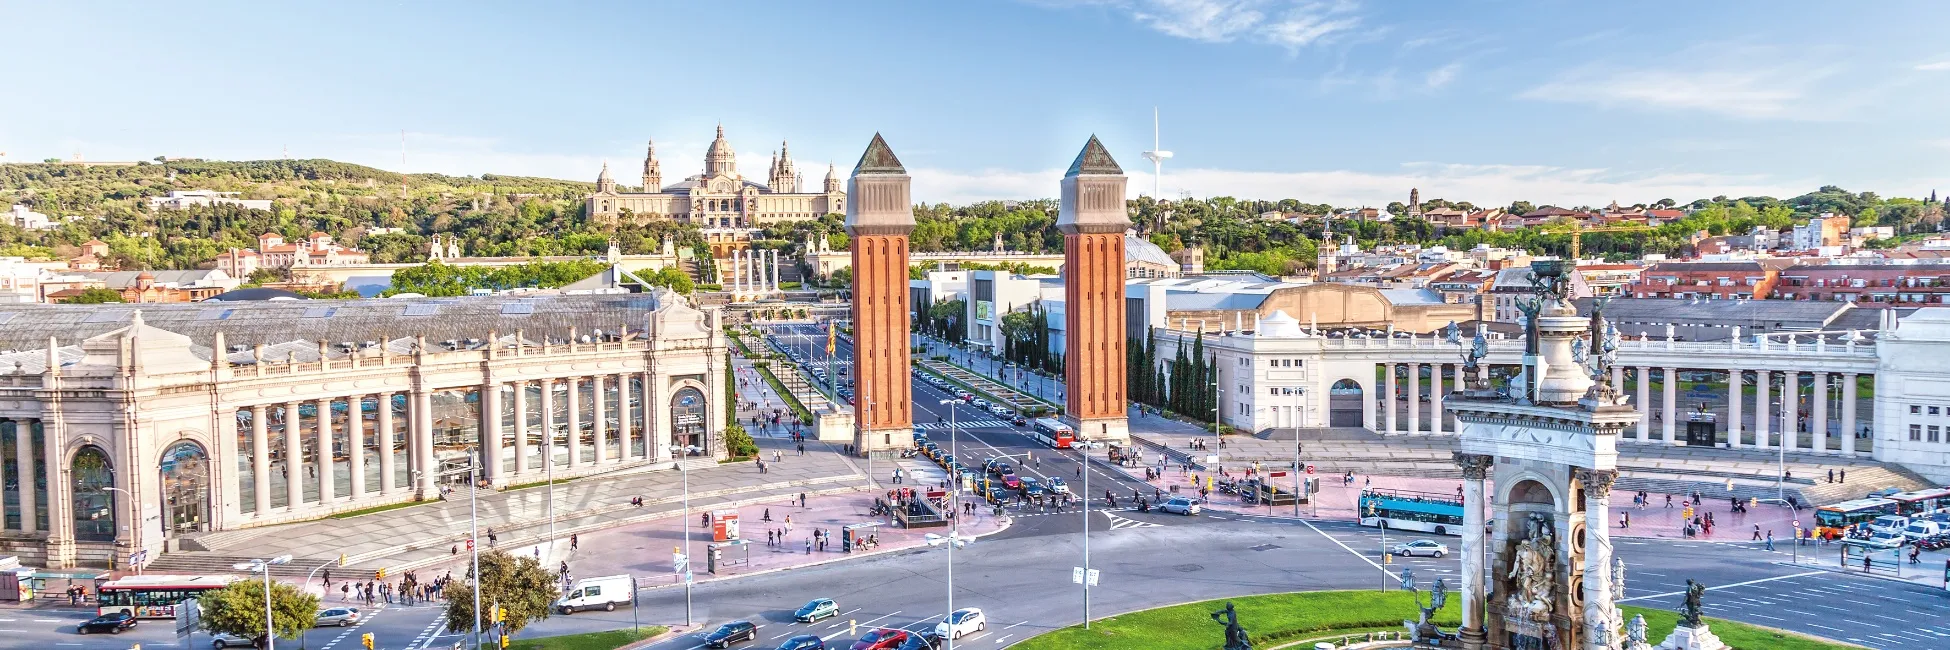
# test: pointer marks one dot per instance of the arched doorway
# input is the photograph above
(94, 503)
(1344, 404)
(185, 488)
(687, 418)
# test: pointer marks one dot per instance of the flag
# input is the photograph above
(830, 334)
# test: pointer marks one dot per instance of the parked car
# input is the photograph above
(885, 638)
(339, 616)
(817, 609)
(223, 640)
(1179, 506)
(962, 622)
(1426, 547)
(803, 642)
(733, 632)
(112, 623)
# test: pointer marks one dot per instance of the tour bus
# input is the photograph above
(1051, 432)
(1837, 518)
(1403, 510)
(154, 596)
(1921, 502)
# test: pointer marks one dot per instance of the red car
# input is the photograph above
(1012, 481)
(885, 638)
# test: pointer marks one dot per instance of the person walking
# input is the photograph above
(1756, 532)
(1770, 540)
(809, 546)
(574, 541)
(1668, 500)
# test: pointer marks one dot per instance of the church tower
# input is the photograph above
(1325, 261)
(785, 180)
(833, 179)
(1414, 202)
(605, 184)
(719, 159)
(653, 173)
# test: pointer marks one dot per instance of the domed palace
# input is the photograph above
(727, 205)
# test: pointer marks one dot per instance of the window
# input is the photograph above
(1935, 433)
(1933, 410)
(1273, 391)
(1273, 363)
(1915, 432)
(1915, 409)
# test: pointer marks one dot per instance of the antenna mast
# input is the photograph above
(1157, 156)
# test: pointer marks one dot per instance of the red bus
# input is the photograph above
(1922, 502)
(155, 596)
(1051, 432)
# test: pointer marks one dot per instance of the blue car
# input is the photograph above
(803, 642)
(817, 609)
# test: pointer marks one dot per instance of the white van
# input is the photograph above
(1891, 524)
(603, 593)
(1922, 528)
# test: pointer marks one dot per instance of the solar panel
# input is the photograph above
(421, 310)
(320, 312)
(517, 308)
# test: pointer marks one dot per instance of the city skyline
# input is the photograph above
(1347, 103)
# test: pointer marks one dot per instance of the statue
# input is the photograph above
(1533, 571)
(1689, 610)
(1235, 635)
(1425, 629)
(1635, 632)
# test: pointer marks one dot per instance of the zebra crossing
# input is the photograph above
(965, 424)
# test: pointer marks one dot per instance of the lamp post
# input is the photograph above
(270, 631)
(684, 469)
(307, 586)
(111, 488)
(954, 506)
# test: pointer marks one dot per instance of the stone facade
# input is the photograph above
(720, 199)
(1093, 219)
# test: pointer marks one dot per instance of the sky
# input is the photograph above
(1346, 102)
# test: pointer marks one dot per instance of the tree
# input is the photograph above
(738, 443)
(96, 296)
(520, 585)
(239, 609)
(1522, 207)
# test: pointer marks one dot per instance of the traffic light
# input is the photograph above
(366, 640)
(504, 641)
(379, 575)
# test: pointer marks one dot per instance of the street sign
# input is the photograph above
(187, 616)
(1212, 458)
(1279, 474)
(1093, 577)
(678, 561)
(1310, 469)
(1076, 575)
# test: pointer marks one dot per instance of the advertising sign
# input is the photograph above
(724, 525)
(985, 310)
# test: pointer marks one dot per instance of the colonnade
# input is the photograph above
(755, 271)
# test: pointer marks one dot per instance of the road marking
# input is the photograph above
(1716, 587)
(1014, 626)
(1004, 638)
(56, 620)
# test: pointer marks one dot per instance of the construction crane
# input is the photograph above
(1577, 231)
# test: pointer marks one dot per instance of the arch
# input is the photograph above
(94, 504)
(1530, 490)
(689, 417)
(185, 471)
(1346, 403)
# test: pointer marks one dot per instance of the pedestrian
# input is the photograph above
(809, 546)
(573, 542)
(767, 516)
(1831, 476)
(802, 504)
(1668, 500)
(1756, 532)
(1844, 476)
(1770, 540)
(1624, 520)
(802, 448)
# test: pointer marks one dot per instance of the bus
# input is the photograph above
(154, 596)
(1921, 502)
(1404, 510)
(1054, 433)
(1838, 518)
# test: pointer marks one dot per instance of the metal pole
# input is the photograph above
(474, 535)
(954, 534)
(1384, 554)
(685, 469)
(270, 631)
(1297, 468)
(1083, 458)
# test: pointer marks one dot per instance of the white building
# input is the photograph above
(182, 199)
(26, 219)
(994, 294)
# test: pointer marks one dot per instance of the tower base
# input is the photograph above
(871, 440)
(1112, 430)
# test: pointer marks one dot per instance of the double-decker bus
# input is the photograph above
(1404, 510)
(1054, 433)
(1837, 518)
(1919, 502)
(154, 596)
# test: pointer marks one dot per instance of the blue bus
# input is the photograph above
(1404, 510)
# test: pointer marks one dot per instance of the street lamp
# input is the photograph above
(954, 507)
(684, 469)
(270, 632)
(111, 488)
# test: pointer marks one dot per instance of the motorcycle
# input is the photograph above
(1144, 506)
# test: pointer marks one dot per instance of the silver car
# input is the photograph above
(223, 640)
(1179, 505)
(339, 616)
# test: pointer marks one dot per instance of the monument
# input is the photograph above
(1236, 638)
(1093, 219)
(1550, 446)
(1691, 633)
(879, 221)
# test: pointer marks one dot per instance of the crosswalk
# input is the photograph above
(964, 424)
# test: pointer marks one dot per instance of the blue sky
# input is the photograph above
(1346, 102)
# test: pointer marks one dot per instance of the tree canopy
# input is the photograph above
(519, 584)
(238, 609)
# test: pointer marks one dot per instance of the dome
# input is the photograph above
(1279, 326)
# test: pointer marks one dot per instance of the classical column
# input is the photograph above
(294, 459)
(1849, 425)
(1435, 400)
(1818, 422)
(1733, 407)
(423, 432)
(653, 405)
(1790, 398)
(777, 285)
(1414, 399)
(355, 435)
(1617, 379)
(1092, 217)
(260, 461)
(491, 431)
(1597, 554)
(1475, 467)
(548, 423)
(1368, 405)
(1388, 398)
(325, 452)
(623, 428)
(521, 427)
(1644, 401)
(387, 438)
(24, 470)
(1672, 405)
(1763, 381)
(574, 437)
(879, 218)
(598, 418)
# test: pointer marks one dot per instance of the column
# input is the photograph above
(737, 273)
(623, 428)
(355, 435)
(1367, 404)
(1644, 401)
(491, 431)
(521, 427)
(1435, 400)
(24, 468)
(386, 439)
(653, 404)
(1849, 425)
(1475, 467)
(1617, 379)
(574, 438)
(1734, 398)
(879, 218)
(325, 451)
(423, 432)
(1388, 399)
(1790, 396)
(776, 267)
(597, 414)
(1414, 399)
(1597, 552)
(548, 423)
(294, 459)
(1672, 405)
(1818, 419)
(260, 460)
(1763, 381)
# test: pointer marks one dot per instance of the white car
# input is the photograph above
(1422, 547)
(221, 641)
(339, 616)
(962, 622)
(1056, 484)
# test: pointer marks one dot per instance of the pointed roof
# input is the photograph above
(1094, 159)
(878, 159)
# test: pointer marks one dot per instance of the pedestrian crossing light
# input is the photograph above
(504, 641)
(366, 640)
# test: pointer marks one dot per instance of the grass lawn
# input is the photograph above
(610, 640)
(1659, 623)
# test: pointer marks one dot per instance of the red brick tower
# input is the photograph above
(1093, 220)
(879, 218)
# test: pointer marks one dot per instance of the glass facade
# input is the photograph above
(186, 487)
(94, 506)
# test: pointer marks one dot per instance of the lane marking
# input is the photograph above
(1717, 587)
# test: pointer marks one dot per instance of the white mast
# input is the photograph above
(1157, 156)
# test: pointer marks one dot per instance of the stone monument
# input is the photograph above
(1691, 634)
(1550, 447)
(1236, 638)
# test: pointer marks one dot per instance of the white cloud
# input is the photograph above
(1935, 66)
(1288, 23)
(1751, 83)
(1440, 77)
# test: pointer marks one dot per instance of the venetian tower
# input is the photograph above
(878, 220)
(1552, 455)
(1093, 219)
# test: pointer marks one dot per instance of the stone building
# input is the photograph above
(210, 417)
(720, 199)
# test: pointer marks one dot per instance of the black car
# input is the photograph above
(111, 623)
(1002, 469)
(803, 642)
(925, 640)
(733, 632)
